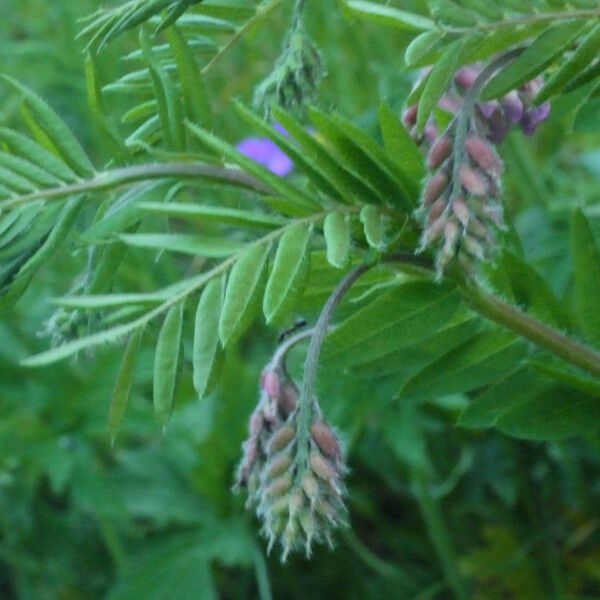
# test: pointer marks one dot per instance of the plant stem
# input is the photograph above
(589, 13)
(307, 394)
(127, 175)
(541, 334)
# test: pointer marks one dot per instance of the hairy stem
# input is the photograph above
(531, 329)
(128, 175)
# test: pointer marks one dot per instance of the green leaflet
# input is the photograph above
(29, 150)
(558, 412)
(289, 274)
(28, 170)
(501, 397)
(541, 53)
(394, 184)
(398, 143)
(387, 15)
(243, 294)
(400, 317)
(103, 301)
(166, 363)
(207, 352)
(15, 182)
(197, 104)
(197, 245)
(175, 11)
(61, 137)
(95, 100)
(481, 360)
(423, 48)
(123, 384)
(531, 291)
(586, 259)
(336, 230)
(276, 183)
(213, 214)
(438, 81)
(346, 183)
(170, 112)
(372, 222)
(585, 53)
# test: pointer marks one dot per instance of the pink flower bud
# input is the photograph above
(437, 209)
(466, 76)
(409, 117)
(281, 438)
(461, 211)
(439, 152)
(325, 439)
(269, 382)
(321, 467)
(279, 486)
(473, 182)
(482, 153)
(279, 465)
(436, 185)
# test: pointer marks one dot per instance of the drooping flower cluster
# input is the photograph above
(461, 206)
(294, 478)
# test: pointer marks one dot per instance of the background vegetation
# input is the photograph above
(490, 508)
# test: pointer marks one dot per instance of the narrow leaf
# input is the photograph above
(166, 363)
(197, 245)
(388, 15)
(438, 81)
(541, 53)
(243, 295)
(400, 317)
(123, 384)
(207, 351)
(58, 133)
(480, 361)
(289, 275)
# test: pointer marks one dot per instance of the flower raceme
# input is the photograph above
(461, 208)
(296, 488)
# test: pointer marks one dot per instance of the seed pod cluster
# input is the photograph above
(296, 487)
(493, 119)
(461, 205)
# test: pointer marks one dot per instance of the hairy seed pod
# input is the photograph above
(482, 154)
(473, 247)
(269, 382)
(436, 185)
(281, 438)
(477, 229)
(434, 231)
(439, 152)
(473, 181)
(325, 439)
(279, 486)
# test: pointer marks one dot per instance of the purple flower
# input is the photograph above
(533, 117)
(267, 153)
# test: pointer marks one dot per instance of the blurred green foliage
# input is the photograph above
(152, 516)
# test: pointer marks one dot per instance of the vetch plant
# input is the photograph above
(417, 229)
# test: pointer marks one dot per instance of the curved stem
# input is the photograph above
(127, 175)
(307, 393)
(466, 112)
